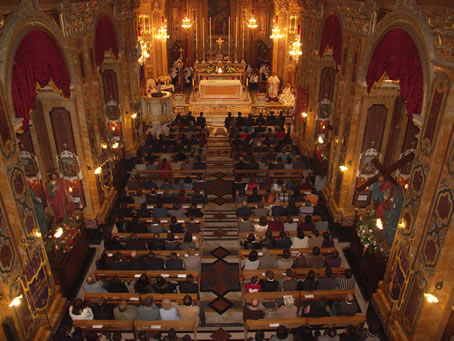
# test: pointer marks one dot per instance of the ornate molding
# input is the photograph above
(357, 16)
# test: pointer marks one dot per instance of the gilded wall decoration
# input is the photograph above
(439, 223)
(7, 253)
(27, 323)
(7, 145)
(399, 275)
(439, 93)
(413, 302)
(450, 162)
(414, 194)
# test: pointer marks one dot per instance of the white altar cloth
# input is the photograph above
(220, 89)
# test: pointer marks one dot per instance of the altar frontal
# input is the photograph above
(220, 89)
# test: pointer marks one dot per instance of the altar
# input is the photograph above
(220, 89)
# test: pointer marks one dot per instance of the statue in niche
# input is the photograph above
(69, 165)
(58, 198)
(324, 112)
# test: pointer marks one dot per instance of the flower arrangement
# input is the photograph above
(229, 68)
(210, 68)
(62, 237)
(365, 227)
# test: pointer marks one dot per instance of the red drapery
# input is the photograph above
(332, 37)
(300, 103)
(105, 39)
(397, 56)
(37, 61)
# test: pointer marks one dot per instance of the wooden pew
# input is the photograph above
(298, 295)
(133, 298)
(183, 326)
(279, 273)
(162, 191)
(271, 173)
(283, 204)
(260, 235)
(166, 221)
(294, 252)
(143, 253)
(104, 325)
(196, 237)
(329, 321)
(296, 219)
(168, 206)
(180, 173)
(133, 275)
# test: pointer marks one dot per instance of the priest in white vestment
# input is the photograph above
(273, 87)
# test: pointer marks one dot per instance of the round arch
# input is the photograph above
(330, 10)
(105, 12)
(417, 30)
(14, 32)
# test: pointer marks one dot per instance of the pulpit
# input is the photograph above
(157, 112)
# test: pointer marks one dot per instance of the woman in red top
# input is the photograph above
(252, 184)
(254, 286)
(164, 165)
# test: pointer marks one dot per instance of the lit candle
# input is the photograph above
(229, 37)
(209, 37)
(203, 39)
(236, 37)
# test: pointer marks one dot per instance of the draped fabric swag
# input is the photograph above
(105, 39)
(332, 38)
(37, 62)
(397, 56)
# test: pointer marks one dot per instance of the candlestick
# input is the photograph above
(196, 43)
(236, 40)
(209, 37)
(242, 48)
(229, 38)
(203, 40)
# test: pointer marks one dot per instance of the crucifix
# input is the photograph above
(220, 42)
(386, 170)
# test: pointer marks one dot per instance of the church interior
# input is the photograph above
(226, 170)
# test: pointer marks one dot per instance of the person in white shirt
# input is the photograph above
(300, 241)
(80, 311)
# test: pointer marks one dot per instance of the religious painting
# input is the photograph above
(30, 163)
(440, 90)
(69, 165)
(219, 12)
(366, 167)
(27, 321)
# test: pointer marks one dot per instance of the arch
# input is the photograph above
(331, 36)
(419, 33)
(105, 38)
(14, 32)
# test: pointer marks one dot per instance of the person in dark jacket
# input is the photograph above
(173, 262)
(151, 262)
(269, 283)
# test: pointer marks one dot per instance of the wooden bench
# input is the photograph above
(298, 296)
(134, 298)
(283, 204)
(280, 273)
(168, 206)
(135, 326)
(260, 235)
(133, 275)
(270, 173)
(196, 237)
(296, 219)
(166, 220)
(179, 174)
(143, 253)
(162, 191)
(294, 252)
(329, 321)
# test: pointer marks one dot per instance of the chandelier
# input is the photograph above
(162, 32)
(187, 24)
(295, 46)
(145, 53)
(252, 23)
(276, 32)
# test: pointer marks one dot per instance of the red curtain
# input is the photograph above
(300, 103)
(105, 39)
(398, 57)
(332, 37)
(37, 60)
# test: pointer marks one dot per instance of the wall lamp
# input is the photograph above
(431, 298)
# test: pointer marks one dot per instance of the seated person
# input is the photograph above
(156, 243)
(168, 311)
(262, 225)
(285, 261)
(135, 226)
(278, 210)
(254, 285)
(287, 310)
(267, 261)
(283, 241)
(252, 261)
(132, 243)
(346, 307)
(328, 282)
(254, 197)
(197, 197)
(176, 211)
(260, 211)
(151, 262)
(188, 311)
(316, 239)
(300, 241)
(327, 241)
(182, 198)
(254, 310)
(194, 211)
(135, 262)
(315, 260)
(175, 226)
(307, 209)
(243, 210)
(188, 286)
(290, 225)
(315, 308)
(80, 311)
(268, 241)
(276, 225)
(173, 262)
(269, 283)
(245, 225)
(102, 310)
(289, 283)
(310, 283)
(143, 285)
(156, 227)
(192, 226)
(148, 311)
(250, 243)
(115, 285)
(162, 286)
(159, 211)
(125, 312)
(334, 261)
(199, 183)
(93, 286)
(192, 262)
(346, 281)
(299, 261)
(188, 241)
(307, 225)
(171, 243)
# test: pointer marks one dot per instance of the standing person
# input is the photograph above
(273, 87)
(57, 197)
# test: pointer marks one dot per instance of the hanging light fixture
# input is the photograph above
(252, 23)
(276, 32)
(162, 32)
(295, 46)
(187, 23)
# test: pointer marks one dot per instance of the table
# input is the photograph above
(220, 89)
